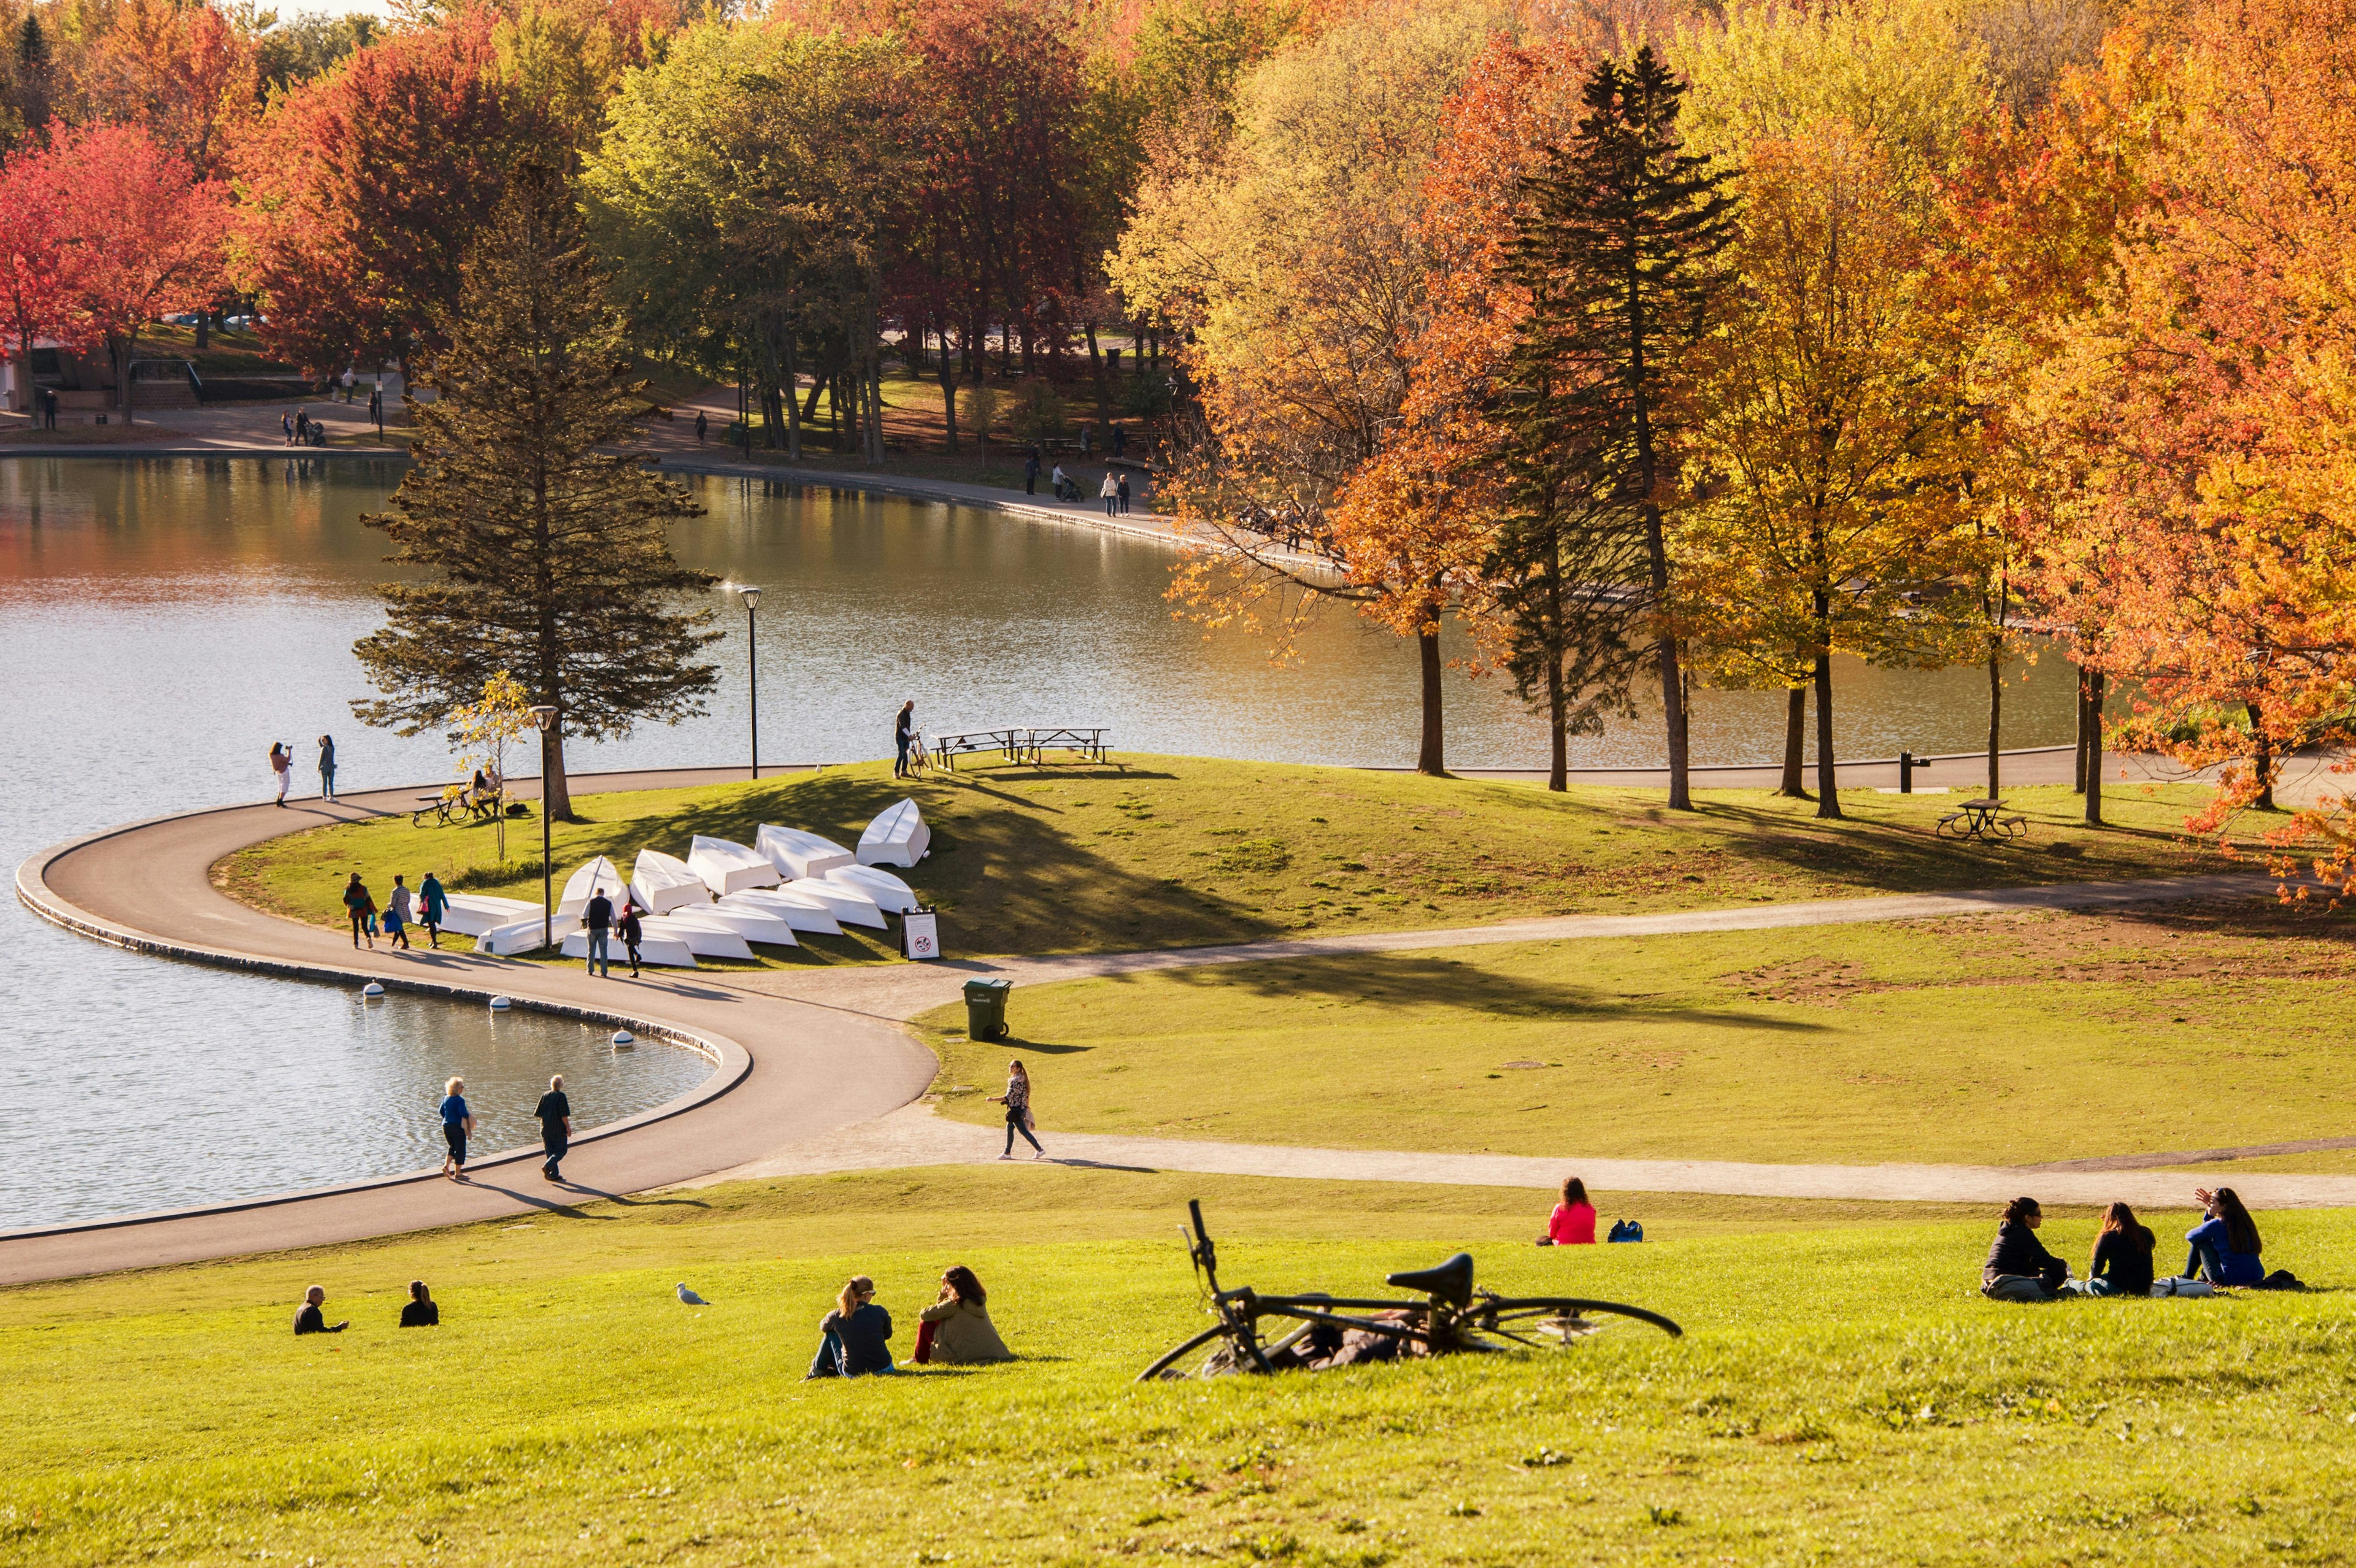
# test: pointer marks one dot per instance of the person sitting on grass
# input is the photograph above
(309, 1320)
(1572, 1223)
(854, 1338)
(2226, 1245)
(956, 1329)
(2122, 1262)
(420, 1311)
(2018, 1267)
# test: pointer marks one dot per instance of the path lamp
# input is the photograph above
(752, 597)
(543, 718)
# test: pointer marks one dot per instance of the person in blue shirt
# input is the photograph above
(2226, 1245)
(457, 1122)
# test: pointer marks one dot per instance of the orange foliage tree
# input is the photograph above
(2202, 414)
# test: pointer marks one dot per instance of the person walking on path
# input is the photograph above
(326, 767)
(286, 427)
(903, 730)
(362, 907)
(309, 1320)
(1124, 494)
(555, 1114)
(599, 920)
(281, 766)
(1017, 1101)
(702, 424)
(350, 380)
(1030, 472)
(396, 914)
(632, 933)
(419, 1311)
(1120, 440)
(1059, 482)
(1110, 493)
(457, 1121)
(433, 904)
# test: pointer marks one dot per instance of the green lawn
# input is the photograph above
(1177, 851)
(1841, 1394)
(2010, 1040)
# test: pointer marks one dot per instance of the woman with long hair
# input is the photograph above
(854, 1338)
(1572, 1223)
(2121, 1264)
(2019, 1268)
(2226, 1245)
(956, 1329)
(1017, 1101)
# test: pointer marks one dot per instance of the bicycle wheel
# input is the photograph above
(1161, 1368)
(1563, 1319)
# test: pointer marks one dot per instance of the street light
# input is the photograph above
(543, 718)
(752, 597)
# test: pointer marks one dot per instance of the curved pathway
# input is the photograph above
(814, 1070)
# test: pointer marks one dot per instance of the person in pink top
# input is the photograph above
(1572, 1224)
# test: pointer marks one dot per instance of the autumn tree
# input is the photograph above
(1828, 439)
(1292, 258)
(185, 72)
(142, 236)
(537, 550)
(2195, 417)
(38, 295)
(364, 189)
(1620, 249)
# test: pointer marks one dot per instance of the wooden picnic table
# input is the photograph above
(1022, 744)
(1982, 818)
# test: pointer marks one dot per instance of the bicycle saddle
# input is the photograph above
(1451, 1281)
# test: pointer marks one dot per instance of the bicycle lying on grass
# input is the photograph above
(1453, 1316)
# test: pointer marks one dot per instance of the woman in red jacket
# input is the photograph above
(1572, 1224)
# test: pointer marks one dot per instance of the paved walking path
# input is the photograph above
(814, 1070)
(913, 1136)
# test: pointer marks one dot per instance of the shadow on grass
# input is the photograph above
(1394, 981)
(1002, 874)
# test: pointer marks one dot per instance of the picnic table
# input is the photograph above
(1023, 744)
(1982, 819)
(467, 805)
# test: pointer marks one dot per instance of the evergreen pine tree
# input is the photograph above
(545, 556)
(1620, 246)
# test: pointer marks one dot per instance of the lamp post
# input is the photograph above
(752, 597)
(543, 718)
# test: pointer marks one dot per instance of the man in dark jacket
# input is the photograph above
(309, 1320)
(555, 1114)
(599, 920)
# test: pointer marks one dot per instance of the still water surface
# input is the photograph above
(163, 622)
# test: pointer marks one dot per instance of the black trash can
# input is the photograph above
(985, 1009)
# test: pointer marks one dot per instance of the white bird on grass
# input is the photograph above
(690, 1297)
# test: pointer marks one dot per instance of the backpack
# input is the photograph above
(2281, 1279)
(1627, 1230)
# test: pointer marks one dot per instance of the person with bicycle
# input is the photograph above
(903, 729)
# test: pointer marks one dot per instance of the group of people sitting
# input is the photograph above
(855, 1338)
(419, 1311)
(2225, 1251)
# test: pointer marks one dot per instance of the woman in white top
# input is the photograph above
(1112, 494)
(281, 764)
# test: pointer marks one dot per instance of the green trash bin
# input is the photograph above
(985, 1009)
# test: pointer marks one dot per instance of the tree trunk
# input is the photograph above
(1104, 391)
(555, 794)
(126, 347)
(1795, 744)
(772, 412)
(1828, 787)
(1429, 759)
(817, 385)
(2095, 681)
(948, 374)
(1664, 653)
(1995, 720)
(2263, 745)
(793, 401)
(2078, 774)
(872, 390)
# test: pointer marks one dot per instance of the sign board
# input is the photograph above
(920, 935)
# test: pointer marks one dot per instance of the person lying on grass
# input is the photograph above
(2122, 1262)
(854, 1339)
(1572, 1223)
(2019, 1268)
(309, 1320)
(956, 1329)
(2226, 1245)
